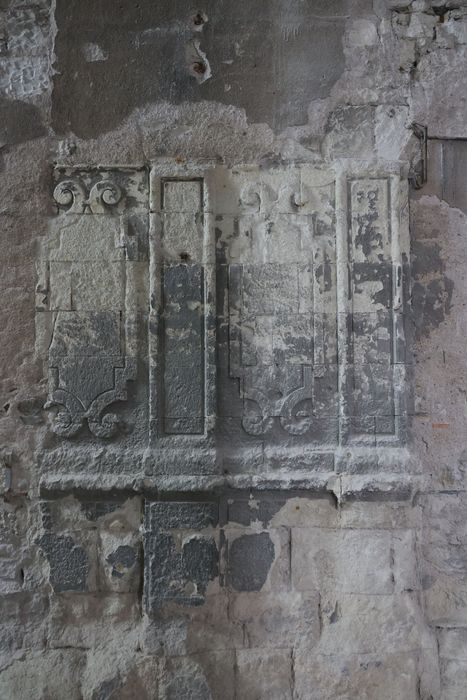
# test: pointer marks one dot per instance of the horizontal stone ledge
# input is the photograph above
(342, 488)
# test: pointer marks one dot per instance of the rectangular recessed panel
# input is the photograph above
(183, 299)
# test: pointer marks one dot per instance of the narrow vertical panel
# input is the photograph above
(374, 264)
(183, 298)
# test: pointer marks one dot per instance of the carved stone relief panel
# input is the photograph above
(278, 314)
(203, 321)
(373, 357)
(92, 269)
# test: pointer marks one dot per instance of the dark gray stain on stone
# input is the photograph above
(20, 122)
(200, 561)
(68, 562)
(179, 561)
(180, 576)
(431, 290)
(168, 515)
(270, 58)
(122, 559)
(250, 558)
(246, 511)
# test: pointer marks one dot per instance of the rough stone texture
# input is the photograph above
(233, 378)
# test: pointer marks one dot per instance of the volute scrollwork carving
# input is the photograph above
(74, 410)
(72, 196)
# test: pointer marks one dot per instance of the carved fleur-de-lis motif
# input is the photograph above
(74, 411)
(293, 409)
(72, 196)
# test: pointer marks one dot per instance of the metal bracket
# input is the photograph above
(419, 172)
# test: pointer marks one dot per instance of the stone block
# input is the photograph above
(179, 561)
(184, 344)
(264, 673)
(183, 237)
(372, 337)
(72, 566)
(364, 676)
(44, 674)
(353, 561)
(86, 334)
(372, 287)
(218, 668)
(79, 238)
(274, 621)
(97, 286)
(23, 623)
(182, 196)
(372, 391)
(83, 621)
(380, 624)
(60, 286)
(268, 289)
(184, 516)
(183, 677)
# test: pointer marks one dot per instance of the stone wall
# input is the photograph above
(233, 379)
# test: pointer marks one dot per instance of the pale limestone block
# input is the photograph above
(84, 620)
(182, 196)
(44, 330)
(97, 286)
(264, 673)
(382, 624)
(84, 238)
(183, 236)
(44, 674)
(271, 620)
(351, 561)
(60, 286)
(351, 676)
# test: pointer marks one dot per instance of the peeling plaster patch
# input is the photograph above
(94, 53)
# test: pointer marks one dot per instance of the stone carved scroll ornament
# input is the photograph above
(292, 409)
(74, 409)
(72, 196)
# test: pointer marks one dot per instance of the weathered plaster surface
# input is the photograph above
(236, 225)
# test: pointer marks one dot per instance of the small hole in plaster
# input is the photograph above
(199, 19)
(199, 67)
